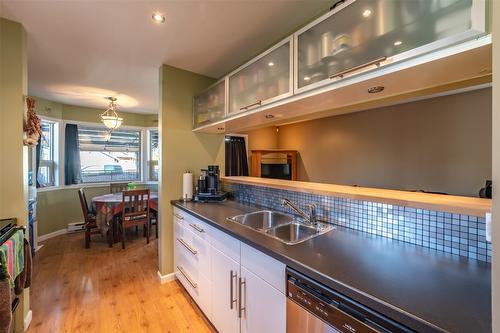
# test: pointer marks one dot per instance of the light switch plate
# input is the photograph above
(488, 227)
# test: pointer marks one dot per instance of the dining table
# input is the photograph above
(108, 206)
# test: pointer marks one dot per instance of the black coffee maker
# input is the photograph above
(208, 185)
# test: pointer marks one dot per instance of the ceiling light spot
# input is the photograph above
(158, 18)
(367, 13)
(397, 43)
(307, 78)
(270, 64)
(375, 89)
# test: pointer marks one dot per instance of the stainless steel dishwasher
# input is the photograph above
(314, 308)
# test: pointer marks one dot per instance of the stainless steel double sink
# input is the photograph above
(280, 226)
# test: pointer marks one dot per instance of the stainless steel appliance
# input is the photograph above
(314, 308)
(208, 186)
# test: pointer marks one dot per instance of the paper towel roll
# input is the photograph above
(187, 186)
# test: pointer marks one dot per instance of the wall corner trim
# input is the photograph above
(52, 234)
(166, 278)
(27, 320)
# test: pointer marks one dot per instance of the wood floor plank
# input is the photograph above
(107, 290)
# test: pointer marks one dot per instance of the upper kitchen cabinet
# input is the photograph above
(264, 79)
(362, 35)
(210, 105)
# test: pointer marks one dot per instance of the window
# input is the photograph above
(46, 169)
(153, 155)
(108, 157)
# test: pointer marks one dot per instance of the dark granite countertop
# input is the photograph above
(426, 290)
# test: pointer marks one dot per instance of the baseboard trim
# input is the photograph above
(52, 234)
(27, 320)
(166, 278)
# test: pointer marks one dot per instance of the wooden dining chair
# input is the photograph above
(135, 212)
(117, 187)
(90, 219)
(153, 221)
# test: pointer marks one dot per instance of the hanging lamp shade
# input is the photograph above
(110, 118)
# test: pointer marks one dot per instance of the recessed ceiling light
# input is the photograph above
(367, 13)
(270, 64)
(375, 89)
(397, 43)
(306, 78)
(158, 18)
(269, 116)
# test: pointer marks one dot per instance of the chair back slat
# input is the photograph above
(84, 204)
(135, 204)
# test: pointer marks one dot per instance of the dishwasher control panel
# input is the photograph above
(327, 311)
(338, 311)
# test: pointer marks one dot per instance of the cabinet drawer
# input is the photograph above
(194, 249)
(193, 224)
(198, 287)
(179, 215)
(267, 268)
(226, 244)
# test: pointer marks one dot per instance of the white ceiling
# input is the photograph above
(81, 51)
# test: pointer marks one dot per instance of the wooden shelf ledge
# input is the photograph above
(437, 202)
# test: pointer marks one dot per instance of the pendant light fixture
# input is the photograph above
(109, 117)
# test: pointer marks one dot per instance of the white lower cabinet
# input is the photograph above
(264, 306)
(225, 273)
(239, 288)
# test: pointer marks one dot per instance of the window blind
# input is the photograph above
(98, 139)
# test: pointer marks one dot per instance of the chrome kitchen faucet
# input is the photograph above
(312, 218)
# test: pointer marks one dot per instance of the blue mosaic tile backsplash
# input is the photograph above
(462, 235)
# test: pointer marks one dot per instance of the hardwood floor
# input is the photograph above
(105, 289)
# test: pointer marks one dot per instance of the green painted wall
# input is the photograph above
(14, 156)
(182, 149)
(58, 207)
(57, 110)
(44, 107)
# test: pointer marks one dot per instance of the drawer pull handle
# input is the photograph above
(246, 107)
(232, 276)
(187, 246)
(179, 216)
(373, 62)
(242, 308)
(195, 227)
(188, 278)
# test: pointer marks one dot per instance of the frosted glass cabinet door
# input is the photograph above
(263, 81)
(365, 32)
(210, 105)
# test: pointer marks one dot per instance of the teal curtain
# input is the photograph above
(38, 153)
(72, 166)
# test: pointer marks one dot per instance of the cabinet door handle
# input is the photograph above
(241, 308)
(195, 227)
(179, 216)
(188, 278)
(373, 62)
(187, 246)
(246, 107)
(232, 276)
